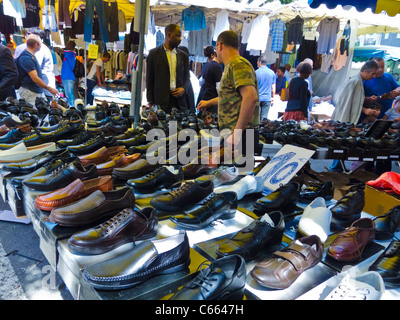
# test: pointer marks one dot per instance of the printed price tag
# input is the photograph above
(93, 51)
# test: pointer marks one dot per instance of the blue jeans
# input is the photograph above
(90, 4)
(50, 23)
(90, 84)
(69, 91)
(264, 109)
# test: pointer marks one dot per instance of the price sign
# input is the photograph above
(93, 51)
(283, 166)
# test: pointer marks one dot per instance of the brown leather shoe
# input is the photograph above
(121, 160)
(350, 243)
(102, 155)
(286, 265)
(127, 226)
(73, 192)
(96, 206)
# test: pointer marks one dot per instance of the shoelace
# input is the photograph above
(56, 172)
(182, 189)
(347, 292)
(204, 280)
(114, 221)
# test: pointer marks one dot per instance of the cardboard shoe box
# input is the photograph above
(378, 202)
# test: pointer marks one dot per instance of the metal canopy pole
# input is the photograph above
(136, 98)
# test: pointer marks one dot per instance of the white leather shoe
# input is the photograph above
(247, 185)
(364, 286)
(316, 220)
(21, 152)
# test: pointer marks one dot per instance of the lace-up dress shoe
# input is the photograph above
(162, 177)
(92, 145)
(315, 190)
(214, 207)
(348, 208)
(134, 141)
(127, 226)
(185, 196)
(109, 129)
(284, 197)
(96, 206)
(143, 262)
(11, 137)
(62, 176)
(75, 191)
(21, 153)
(388, 265)
(31, 165)
(63, 131)
(121, 160)
(102, 155)
(223, 279)
(222, 175)
(286, 265)
(387, 224)
(77, 140)
(129, 133)
(349, 244)
(135, 170)
(262, 235)
(46, 169)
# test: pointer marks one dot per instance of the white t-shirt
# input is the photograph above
(92, 73)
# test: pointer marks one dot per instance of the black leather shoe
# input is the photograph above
(223, 279)
(258, 238)
(162, 177)
(216, 206)
(77, 140)
(143, 262)
(315, 190)
(92, 145)
(284, 197)
(13, 136)
(134, 141)
(348, 208)
(62, 177)
(387, 224)
(388, 265)
(45, 169)
(134, 170)
(109, 129)
(127, 226)
(185, 196)
(31, 165)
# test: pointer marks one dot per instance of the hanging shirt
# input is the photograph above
(246, 30)
(159, 38)
(277, 30)
(32, 18)
(259, 34)
(193, 18)
(221, 23)
(328, 29)
(295, 30)
(14, 8)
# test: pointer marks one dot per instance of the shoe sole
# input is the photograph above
(174, 269)
(87, 251)
(224, 216)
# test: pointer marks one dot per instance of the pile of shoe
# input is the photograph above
(329, 134)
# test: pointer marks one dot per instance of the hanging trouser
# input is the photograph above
(111, 11)
(50, 22)
(64, 17)
(90, 4)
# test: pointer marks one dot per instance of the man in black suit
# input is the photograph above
(168, 72)
(8, 73)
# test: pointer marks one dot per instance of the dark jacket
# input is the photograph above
(157, 78)
(299, 96)
(8, 73)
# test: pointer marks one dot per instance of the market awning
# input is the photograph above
(391, 7)
(385, 52)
